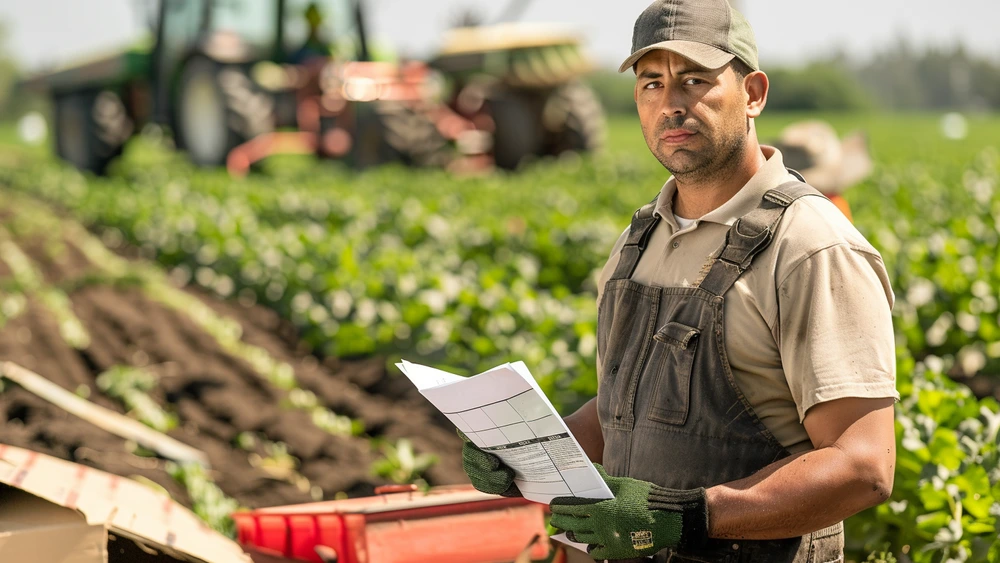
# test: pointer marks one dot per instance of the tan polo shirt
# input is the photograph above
(809, 322)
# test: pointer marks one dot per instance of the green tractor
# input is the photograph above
(196, 78)
(238, 80)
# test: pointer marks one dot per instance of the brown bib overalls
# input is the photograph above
(670, 410)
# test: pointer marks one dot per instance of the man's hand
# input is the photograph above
(641, 520)
(486, 471)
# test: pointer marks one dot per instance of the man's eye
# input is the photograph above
(651, 85)
(693, 81)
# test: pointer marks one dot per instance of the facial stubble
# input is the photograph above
(698, 165)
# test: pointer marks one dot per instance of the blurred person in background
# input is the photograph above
(827, 163)
(746, 359)
(314, 46)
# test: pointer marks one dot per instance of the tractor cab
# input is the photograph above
(281, 31)
(275, 30)
(206, 53)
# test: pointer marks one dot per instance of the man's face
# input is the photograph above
(694, 119)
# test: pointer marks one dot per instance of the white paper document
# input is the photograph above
(504, 412)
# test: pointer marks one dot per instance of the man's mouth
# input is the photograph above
(676, 136)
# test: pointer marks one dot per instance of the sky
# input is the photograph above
(47, 32)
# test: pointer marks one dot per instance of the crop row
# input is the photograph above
(938, 232)
(132, 386)
(466, 279)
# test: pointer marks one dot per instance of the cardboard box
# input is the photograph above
(57, 511)
(34, 529)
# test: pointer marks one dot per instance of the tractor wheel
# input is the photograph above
(573, 120)
(91, 128)
(518, 133)
(386, 131)
(218, 108)
(413, 135)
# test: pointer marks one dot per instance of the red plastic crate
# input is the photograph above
(446, 525)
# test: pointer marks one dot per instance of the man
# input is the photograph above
(746, 358)
(314, 47)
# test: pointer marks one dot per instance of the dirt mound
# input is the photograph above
(223, 406)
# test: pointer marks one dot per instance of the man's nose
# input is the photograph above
(673, 102)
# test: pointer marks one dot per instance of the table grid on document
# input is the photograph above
(520, 420)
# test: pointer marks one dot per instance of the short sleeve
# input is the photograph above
(835, 332)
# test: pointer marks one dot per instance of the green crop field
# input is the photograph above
(470, 272)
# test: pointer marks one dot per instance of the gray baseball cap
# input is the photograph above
(709, 32)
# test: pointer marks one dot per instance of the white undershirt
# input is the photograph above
(682, 222)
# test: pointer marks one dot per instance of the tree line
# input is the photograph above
(898, 78)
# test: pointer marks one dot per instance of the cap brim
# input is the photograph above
(705, 55)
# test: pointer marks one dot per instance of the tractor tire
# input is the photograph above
(218, 107)
(574, 120)
(383, 132)
(518, 134)
(413, 135)
(91, 128)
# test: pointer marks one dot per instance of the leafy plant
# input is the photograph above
(210, 503)
(401, 464)
(29, 281)
(946, 496)
(131, 386)
(881, 557)
(274, 459)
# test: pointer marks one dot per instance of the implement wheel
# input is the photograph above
(519, 135)
(574, 120)
(91, 128)
(413, 135)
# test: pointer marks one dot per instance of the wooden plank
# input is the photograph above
(108, 420)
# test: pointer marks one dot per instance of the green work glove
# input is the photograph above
(641, 520)
(486, 471)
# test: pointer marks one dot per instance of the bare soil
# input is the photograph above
(216, 396)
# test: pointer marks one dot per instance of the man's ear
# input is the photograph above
(756, 85)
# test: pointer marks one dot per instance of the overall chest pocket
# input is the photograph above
(669, 369)
(626, 323)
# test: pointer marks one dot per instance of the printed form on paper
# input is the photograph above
(505, 412)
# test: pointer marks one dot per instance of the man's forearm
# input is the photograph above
(795, 496)
(586, 426)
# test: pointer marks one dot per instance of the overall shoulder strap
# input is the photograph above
(644, 220)
(751, 234)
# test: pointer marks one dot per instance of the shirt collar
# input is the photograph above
(772, 174)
